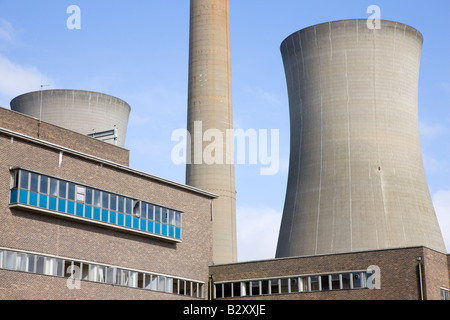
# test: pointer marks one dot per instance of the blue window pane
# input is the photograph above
(96, 213)
(112, 217)
(43, 201)
(33, 198)
(52, 203)
(135, 223)
(178, 233)
(120, 221)
(171, 231)
(128, 221)
(143, 226)
(157, 227)
(70, 207)
(104, 215)
(164, 230)
(80, 209)
(150, 226)
(13, 196)
(88, 212)
(61, 205)
(23, 196)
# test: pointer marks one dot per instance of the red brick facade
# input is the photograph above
(38, 233)
(399, 271)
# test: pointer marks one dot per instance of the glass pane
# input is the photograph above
(97, 199)
(274, 286)
(105, 200)
(53, 187)
(150, 212)
(71, 193)
(24, 179)
(44, 185)
(346, 281)
(357, 283)
(136, 208)
(335, 283)
(121, 204)
(178, 219)
(325, 283)
(157, 214)
(62, 189)
(21, 262)
(31, 260)
(113, 202)
(171, 217)
(144, 210)
(294, 284)
(34, 182)
(128, 206)
(10, 260)
(255, 288)
(88, 196)
(314, 283)
(164, 215)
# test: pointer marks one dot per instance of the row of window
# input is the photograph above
(54, 194)
(295, 284)
(82, 271)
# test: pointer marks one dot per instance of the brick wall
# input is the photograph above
(399, 273)
(46, 234)
(29, 126)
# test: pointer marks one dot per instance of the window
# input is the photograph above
(44, 185)
(335, 282)
(69, 198)
(346, 279)
(285, 285)
(71, 191)
(325, 282)
(34, 182)
(62, 189)
(445, 294)
(81, 194)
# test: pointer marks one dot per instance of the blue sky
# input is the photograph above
(138, 51)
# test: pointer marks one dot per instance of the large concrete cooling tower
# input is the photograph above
(356, 176)
(85, 112)
(210, 111)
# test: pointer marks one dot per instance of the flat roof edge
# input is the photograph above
(107, 162)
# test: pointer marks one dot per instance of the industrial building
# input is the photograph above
(78, 223)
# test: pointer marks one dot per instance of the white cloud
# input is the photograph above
(16, 79)
(257, 232)
(441, 202)
(7, 32)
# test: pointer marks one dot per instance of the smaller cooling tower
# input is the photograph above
(81, 111)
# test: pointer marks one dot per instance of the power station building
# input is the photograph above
(76, 222)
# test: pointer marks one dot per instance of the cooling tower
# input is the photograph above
(82, 111)
(210, 118)
(356, 177)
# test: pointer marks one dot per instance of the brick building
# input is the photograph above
(77, 223)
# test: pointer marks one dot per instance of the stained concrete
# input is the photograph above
(356, 177)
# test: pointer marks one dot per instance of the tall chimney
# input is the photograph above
(210, 119)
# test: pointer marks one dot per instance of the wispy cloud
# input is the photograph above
(17, 79)
(8, 34)
(257, 232)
